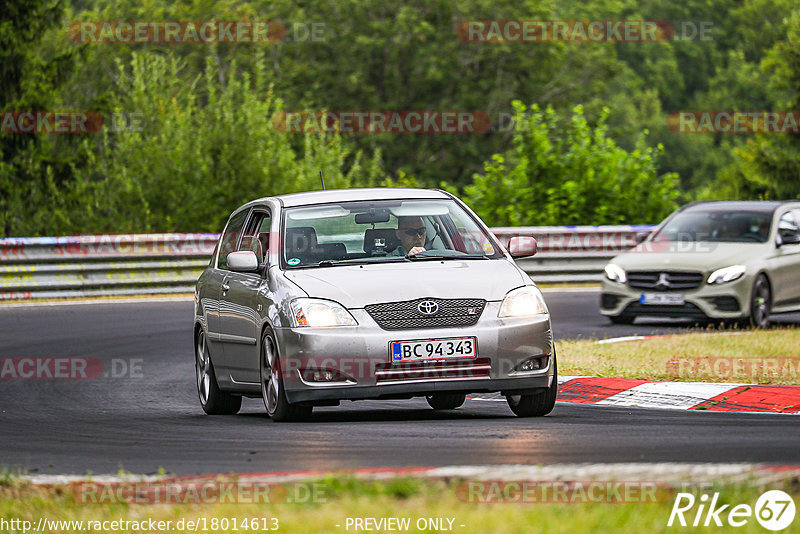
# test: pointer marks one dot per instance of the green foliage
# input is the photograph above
(207, 142)
(768, 165)
(550, 178)
(195, 151)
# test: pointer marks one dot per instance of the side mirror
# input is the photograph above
(787, 239)
(244, 261)
(522, 246)
(641, 237)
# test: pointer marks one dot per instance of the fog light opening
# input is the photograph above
(533, 364)
(325, 375)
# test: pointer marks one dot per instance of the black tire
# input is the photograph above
(213, 400)
(622, 319)
(446, 401)
(537, 403)
(760, 302)
(278, 406)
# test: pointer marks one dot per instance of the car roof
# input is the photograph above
(356, 194)
(765, 206)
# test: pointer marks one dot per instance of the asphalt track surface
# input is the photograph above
(142, 424)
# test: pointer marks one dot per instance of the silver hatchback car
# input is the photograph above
(313, 298)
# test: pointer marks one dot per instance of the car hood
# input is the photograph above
(355, 286)
(703, 256)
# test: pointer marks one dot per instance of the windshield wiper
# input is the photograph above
(356, 261)
(421, 257)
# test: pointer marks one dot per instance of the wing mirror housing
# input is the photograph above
(244, 261)
(522, 246)
(641, 237)
(787, 239)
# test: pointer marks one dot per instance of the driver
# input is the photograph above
(411, 233)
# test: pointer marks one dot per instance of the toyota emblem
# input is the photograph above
(428, 307)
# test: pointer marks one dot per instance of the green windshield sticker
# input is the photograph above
(293, 261)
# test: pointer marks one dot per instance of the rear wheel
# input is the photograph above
(446, 401)
(275, 401)
(760, 302)
(537, 403)
(213, 400)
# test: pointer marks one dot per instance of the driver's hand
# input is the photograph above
(416, 250)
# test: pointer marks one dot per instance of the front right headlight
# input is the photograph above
(523, 301)
(319, 313)
(615, 273)
(727, 274)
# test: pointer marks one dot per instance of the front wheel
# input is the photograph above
(213, 400)
(446, 401)
(538, 402)
(760, 302)
(275, 401)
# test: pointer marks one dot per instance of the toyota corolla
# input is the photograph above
(314, 298)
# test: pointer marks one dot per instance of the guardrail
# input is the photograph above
(136, 264)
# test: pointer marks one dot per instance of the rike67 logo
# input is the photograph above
(774, 510)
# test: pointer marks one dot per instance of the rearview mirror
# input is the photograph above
(244, 261)
(373, 216)
(522, 246)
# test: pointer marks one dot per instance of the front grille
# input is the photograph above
(456, 369)
(683, 311)
(405, 314)
(670, 281)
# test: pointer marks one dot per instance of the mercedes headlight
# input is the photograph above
(318, 312)
(615, 273)
(727, 274)
(523, 301)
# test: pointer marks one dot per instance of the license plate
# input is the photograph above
(433, 349)
(661, 298)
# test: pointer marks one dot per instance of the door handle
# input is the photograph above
(225, 287)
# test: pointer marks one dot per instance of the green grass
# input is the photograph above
(400, 497)
(746, 356)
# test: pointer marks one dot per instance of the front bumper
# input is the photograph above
(360, 357)
(723, 301)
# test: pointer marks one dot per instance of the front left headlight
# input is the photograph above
(727, 274)
(319, 313)
(523, 301)
(615, 273)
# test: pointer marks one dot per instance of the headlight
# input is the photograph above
(318, 312)
(615, 273)
(523, 301)
(727, 274)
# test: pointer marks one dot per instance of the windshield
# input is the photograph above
(717, 225)
(382, 231)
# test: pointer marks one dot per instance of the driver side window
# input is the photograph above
(256, 235)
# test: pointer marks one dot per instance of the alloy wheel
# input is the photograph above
(202, 364)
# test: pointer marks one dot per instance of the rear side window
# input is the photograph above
(230, 237)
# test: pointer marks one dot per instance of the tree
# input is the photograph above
(578, 177)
